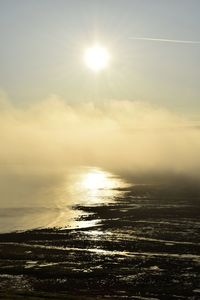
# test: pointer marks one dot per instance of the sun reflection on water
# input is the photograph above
(95, 180)
(53, 201)
(95, 186)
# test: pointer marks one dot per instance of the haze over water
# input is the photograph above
(39, 198)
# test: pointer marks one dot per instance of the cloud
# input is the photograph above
(124, 136)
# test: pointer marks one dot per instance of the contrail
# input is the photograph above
(164, 40)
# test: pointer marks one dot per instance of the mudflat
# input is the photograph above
(146, 245)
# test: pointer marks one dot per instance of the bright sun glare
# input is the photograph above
(96, 58)
(96, 180)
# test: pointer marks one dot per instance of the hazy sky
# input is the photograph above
(42, 44)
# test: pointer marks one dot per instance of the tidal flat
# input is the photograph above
(143, 245)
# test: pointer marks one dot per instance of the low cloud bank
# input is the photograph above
(123, 136)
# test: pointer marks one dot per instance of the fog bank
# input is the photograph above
(123, 136)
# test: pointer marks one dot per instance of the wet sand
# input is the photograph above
(146, 245)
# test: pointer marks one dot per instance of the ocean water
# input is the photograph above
(42, 198)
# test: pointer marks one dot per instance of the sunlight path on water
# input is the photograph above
(90, 186)
(47, 199)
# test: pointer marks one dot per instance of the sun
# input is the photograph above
(96, 58)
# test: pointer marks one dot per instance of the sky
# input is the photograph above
(138, 115)
(42, 44)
